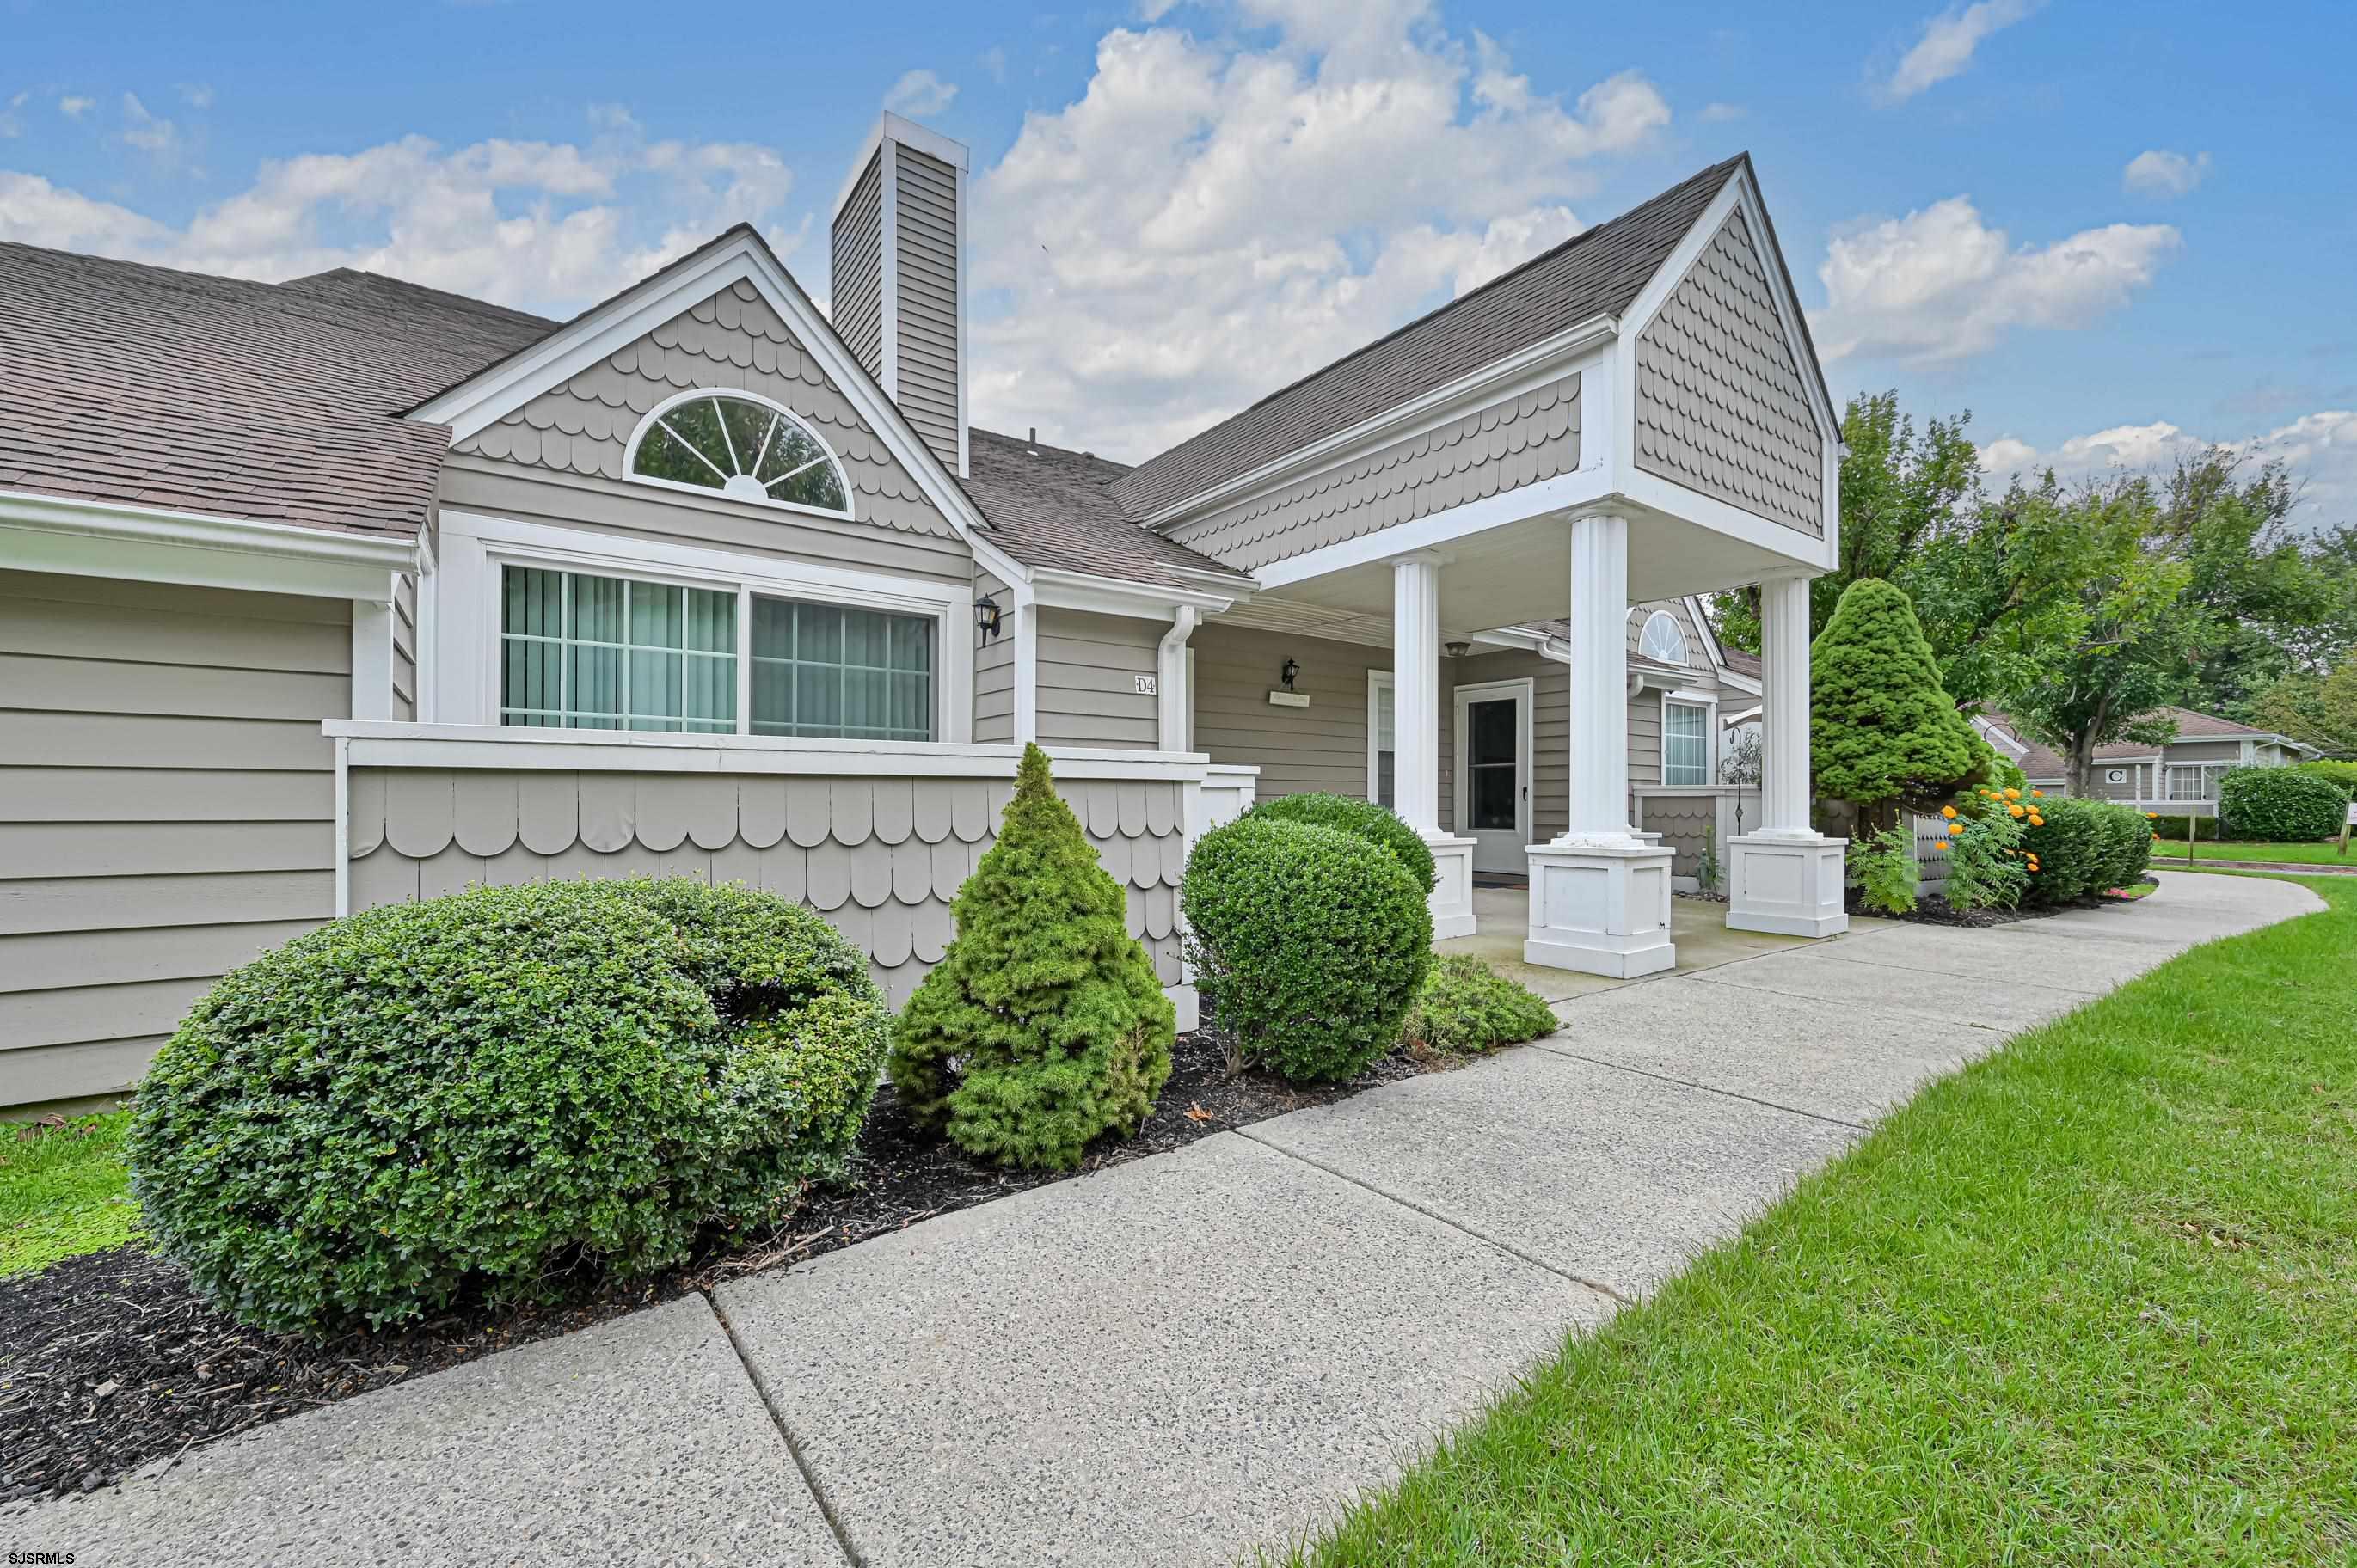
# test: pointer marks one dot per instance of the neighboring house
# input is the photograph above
(327, 593)
(2179, 777)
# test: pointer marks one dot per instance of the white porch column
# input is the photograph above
(1599, 894)
(1416, 731)
(1787, 877)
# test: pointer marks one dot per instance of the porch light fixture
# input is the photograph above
(1457, 649)
(1291, 669)
(986, 617)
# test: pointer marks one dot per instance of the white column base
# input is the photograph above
(1601, 909)
(1789, 883)
(1452, 885)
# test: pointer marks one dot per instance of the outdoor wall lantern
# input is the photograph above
(986, 617)
(1292, 668)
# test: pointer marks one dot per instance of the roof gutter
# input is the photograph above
(42, 533)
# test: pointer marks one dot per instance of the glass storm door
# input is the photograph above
(1494, 756)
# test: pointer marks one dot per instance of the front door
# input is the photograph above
(1493, 773)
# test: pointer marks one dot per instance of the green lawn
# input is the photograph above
(2094, 1300)
(2328, 854)
(63, 1191)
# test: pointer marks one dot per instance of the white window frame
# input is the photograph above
(654, 415)
(2208, 775)
(1646, 631)
(1380, 680)
(478, 548)
(1709, 706)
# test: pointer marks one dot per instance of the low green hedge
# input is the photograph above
(1363, 818)
(1464, 1007)
(2083, 847)
(1309, 943)
(2280, 805)
(2172, 827)
(477, 1091)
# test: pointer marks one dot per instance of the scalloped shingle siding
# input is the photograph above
(880, 857)
(731, 340)
(1491, 450)
(1721, 407)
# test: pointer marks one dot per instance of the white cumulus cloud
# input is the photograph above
(1941, 283)
(2164, 174)
(2320, 449)
(1947, 45)
(74, 108)
(919, 94)
(539, 225)
(1214, 217)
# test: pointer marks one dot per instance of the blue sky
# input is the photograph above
(1181, 206)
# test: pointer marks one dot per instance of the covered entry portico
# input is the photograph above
(1636, 415)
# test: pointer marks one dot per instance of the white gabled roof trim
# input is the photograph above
(486, 399)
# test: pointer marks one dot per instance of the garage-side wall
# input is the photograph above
(166, 808)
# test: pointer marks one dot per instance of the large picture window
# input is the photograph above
(825, 670)
(579, 651)
(1686, 743)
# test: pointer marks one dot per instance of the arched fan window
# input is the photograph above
(1662, 641)
(741, 445)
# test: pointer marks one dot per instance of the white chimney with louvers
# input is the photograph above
(899, 284)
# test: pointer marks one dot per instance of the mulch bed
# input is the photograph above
(110, 1365)
(1935, 912)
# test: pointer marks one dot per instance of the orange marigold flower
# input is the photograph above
(2036, 821)
(2040, 793)
(2013, 794)
(1949, 812)
(1939, 844)
(2017, 810)
(2152, 816)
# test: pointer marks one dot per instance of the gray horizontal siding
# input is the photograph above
(1089, 666)
(925, 252)
(166, 808)
(1320, 747)
(993, 667)
(857, 279)
(509, 490)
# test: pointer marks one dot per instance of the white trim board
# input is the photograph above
(372, 744)
(475, 546)
(64, 534)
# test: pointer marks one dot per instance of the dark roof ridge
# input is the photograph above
(505, 313)
(1508, 276)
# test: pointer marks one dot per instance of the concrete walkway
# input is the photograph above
(1179, 1359)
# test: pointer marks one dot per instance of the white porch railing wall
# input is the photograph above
(877, 836)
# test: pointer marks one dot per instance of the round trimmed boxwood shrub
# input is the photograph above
(1364, 818)
(1464, 1007)
(1309, 943)
(1043, 1027)
(2280, 805)
(2082, 847)
(474, 1093)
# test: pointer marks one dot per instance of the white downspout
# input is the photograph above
(1172, 699)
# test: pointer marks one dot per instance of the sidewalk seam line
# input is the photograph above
(1414, 1208)
(1712, 1087)
(793, 1450)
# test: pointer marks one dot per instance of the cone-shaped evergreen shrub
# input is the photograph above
(1882, 731)
(1043, 1025)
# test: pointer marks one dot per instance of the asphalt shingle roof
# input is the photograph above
(1598, 271)
(272, 402)
(1050, 507)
